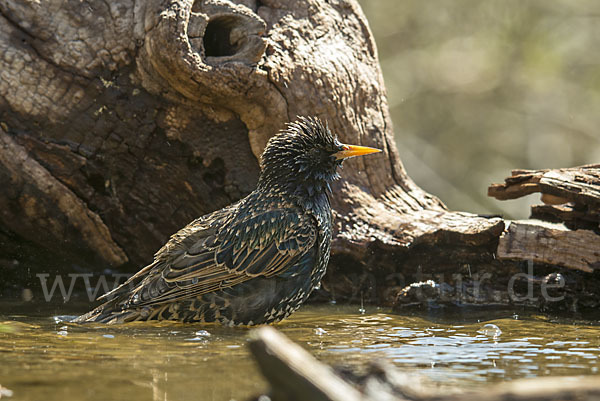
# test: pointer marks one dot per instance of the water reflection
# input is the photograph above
(45, 358)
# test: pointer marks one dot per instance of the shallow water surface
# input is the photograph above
(42, 357)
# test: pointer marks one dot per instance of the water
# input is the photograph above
(42, 357)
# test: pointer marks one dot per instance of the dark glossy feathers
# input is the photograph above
(213, 254)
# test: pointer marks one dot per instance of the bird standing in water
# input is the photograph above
(255, 261)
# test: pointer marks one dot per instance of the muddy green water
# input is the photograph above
(42, 358)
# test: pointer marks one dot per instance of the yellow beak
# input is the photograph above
(354, 150)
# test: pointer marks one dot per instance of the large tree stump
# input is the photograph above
(122, 121)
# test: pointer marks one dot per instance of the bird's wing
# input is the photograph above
(212, 258)
(194, 233)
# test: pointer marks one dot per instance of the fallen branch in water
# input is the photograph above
(294, 374)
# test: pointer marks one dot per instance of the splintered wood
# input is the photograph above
(577, 184)
(570, 196)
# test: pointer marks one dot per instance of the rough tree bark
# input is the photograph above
(121, 121)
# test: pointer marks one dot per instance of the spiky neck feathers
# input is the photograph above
(299, 162)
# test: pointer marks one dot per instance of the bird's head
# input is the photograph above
(303, 159)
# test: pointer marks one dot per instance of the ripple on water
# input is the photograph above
(445, 352)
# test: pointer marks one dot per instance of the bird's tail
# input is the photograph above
(109, 312)
(115, 309)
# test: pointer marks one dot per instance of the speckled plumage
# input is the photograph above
(253, 262)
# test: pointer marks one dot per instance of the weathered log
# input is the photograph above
(145, 115)
(571, 196)
(551, 244)
(532, 263)
(294, 374)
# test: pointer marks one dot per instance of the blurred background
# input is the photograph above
(478, 88)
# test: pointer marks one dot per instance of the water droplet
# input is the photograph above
(319, 331)
(490, 330)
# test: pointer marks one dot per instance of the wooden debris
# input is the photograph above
(570, 195)
(551, 244)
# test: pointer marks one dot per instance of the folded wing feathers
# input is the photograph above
(263, 245)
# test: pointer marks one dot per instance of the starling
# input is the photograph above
(255, 261)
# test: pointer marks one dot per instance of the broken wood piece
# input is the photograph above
(577, 184)
(552, 244)
(293, 373)
(570, 195)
